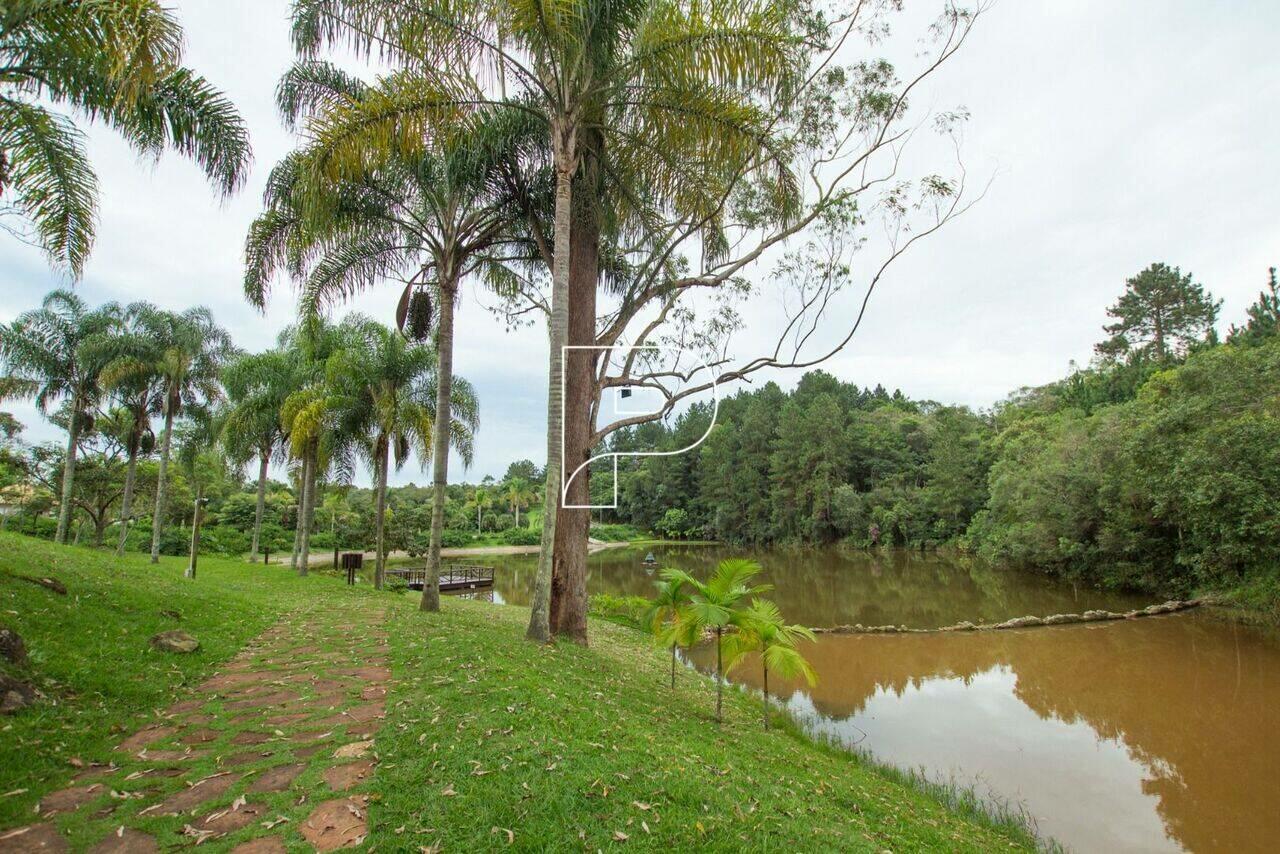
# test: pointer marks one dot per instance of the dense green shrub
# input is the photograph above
(606, 533)
(1174, 490)
(454, 539)
(521, 537)
(225, 540)
(626, 610)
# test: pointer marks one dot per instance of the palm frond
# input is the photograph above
(51, 181)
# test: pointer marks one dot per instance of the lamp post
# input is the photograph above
(196, 517)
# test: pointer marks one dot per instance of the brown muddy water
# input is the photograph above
(1158, 734)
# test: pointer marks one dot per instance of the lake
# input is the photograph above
(1159, 734)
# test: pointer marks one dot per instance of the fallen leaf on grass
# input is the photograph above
(448, 791)
(640, 806)
(352, 750)
(511, 837)
(198, 835)
(619, 836)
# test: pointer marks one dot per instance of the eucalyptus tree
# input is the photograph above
(382, 386)
(641, 92)
(50, 354)
(129, 371)
(114, 61)
(257, 386)
(430, 218)
(186, 355)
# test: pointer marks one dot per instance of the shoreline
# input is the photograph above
(326, 558)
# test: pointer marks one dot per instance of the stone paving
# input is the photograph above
(274, 752)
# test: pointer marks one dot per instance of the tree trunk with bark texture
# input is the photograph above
(126, 501)
(162, 483)
(440, 442)
(540, 612)
(196, 516)
(573, 527)
(380, 559)
(299, 513)
(308, 511)
(261, 505)
(68, 473)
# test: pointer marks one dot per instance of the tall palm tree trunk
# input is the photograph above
(126, 500)
(68, 473)
(162, 483)
(440, 445)
(673, 667)
(379, 563)
(300, 515)
(261, 505)
(308, 511)
(540, 612)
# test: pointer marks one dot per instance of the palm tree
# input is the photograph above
(119, 61)
(257, 387)
(718, 605)
(187, 354)
(203, 464)
(641, 90)
(667, 620)
(517, 494)
(50, 354)
(762, 630)
(382, 386)
(430, 218)
(124, 353)
(306, 422)
(481, 499)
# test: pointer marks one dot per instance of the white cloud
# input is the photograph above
(1120, 134)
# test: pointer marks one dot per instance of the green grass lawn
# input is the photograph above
(89, 649)
(488, 740)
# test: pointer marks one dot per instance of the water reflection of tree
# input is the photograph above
(1197, 703)
(842, 586)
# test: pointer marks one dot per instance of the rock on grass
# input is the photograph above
(175, 640)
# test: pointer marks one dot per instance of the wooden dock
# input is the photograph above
(456, 576)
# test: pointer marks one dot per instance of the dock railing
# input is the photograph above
(453, 576)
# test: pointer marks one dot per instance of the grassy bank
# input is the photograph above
(589, 748)
(1256, 602)
(488, 740)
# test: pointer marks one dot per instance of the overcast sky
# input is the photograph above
(1118, 134)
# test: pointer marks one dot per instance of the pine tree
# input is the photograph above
(1264, 317)
(1160, 314)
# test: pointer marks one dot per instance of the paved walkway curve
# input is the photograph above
(271, 753)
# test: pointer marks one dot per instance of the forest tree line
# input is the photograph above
(596, 167)
(1157, 467)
